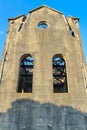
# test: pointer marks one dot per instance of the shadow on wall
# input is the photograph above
(31, 115)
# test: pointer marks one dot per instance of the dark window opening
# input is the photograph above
(24, 18)
(71, 32)
(12, 22)
(42, 25)
(21, 25)
(26, 74)
(59, 75)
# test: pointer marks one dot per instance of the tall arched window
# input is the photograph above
(26, 74)
(59, 74)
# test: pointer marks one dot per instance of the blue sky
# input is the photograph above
(13, 8)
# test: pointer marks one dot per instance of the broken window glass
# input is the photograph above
(59, 75)
(26, 74)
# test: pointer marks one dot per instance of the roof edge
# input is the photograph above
(22, 15)
(75, 18)
(46, 7)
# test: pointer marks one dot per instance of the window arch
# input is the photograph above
(26, 74)
(59, 74)
(42, 25)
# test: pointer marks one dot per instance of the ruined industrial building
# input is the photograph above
(43, 73)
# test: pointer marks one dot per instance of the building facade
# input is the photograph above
(43, 73)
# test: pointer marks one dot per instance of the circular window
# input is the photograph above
(42, 25)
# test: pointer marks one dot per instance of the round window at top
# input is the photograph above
(42, 25)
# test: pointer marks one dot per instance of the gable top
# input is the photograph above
(75, 18)
(22, 15)
(44, 6)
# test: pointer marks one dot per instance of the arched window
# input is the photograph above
(25, 74)
(42, 25)
(59, 74)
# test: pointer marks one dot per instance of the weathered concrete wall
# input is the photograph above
(74, 26)
(43, 109)
(86, 75)
(86, 67)
(42, 45)
(32, 115)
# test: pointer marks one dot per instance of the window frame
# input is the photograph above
(28, 68)
(59, 74)
(43, 25)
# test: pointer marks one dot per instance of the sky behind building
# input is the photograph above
(13, 8)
